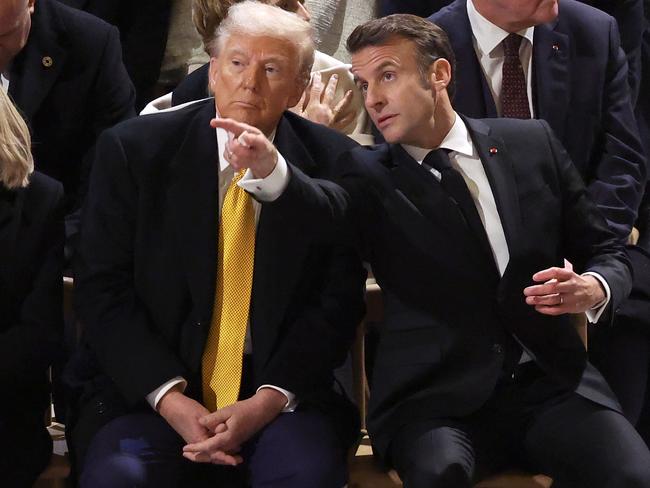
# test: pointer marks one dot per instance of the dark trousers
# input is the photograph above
(296, 450)
(25, 448)
(528, 423)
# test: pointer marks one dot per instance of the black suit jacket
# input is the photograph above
(70, 101)
(449, 318)
(146, 281)
(580, 88)
(143, 26)
(31, 318)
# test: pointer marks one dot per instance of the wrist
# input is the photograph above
(598, 294)
(273, 401)
(173, 394)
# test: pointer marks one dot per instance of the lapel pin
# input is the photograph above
(556, 47)
(47, 61)
(493, 151)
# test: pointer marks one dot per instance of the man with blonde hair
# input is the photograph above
(213, 319)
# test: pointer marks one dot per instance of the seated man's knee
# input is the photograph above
(631, 475)
(437, 475)
(114, 471)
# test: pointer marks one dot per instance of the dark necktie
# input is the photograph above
(514, 96)
(454, 184)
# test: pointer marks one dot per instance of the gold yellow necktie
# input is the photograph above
(224, 349)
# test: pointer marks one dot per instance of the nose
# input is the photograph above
(251, 79)
(374, 98)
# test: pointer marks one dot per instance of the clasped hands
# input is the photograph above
(217, 437)
(563, 291)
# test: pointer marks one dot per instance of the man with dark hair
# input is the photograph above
(466, 224)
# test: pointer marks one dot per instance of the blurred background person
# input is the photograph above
(331, 98)
(31, 260)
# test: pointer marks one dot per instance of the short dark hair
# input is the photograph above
(431, 42)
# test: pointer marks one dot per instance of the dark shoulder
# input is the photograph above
(578, 18)
(75, 28)
(449, 14)
(43, 192)
(524, 130)
(165, 125)
(193, 87)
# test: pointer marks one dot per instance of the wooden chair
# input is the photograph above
(364, 471)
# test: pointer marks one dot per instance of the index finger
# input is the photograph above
(560, 274)
(231, 125)
(330, 89)
(211, 421)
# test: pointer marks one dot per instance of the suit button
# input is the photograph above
(497, 348)
(100, 407)
(198, 323)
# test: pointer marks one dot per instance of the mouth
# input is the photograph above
(385, 120)
(244, 104)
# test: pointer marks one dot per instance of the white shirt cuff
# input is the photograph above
(292, 403)
(593, 314)
(155, 396)
(270, 188)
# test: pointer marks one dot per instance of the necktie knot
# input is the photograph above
(511, 45)
(438, 159)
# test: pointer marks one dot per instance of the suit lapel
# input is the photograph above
(39, 63)
(500, 172)
(280, 251)
(551, 76)
(421, 208)
(193, 202)
(474, 98)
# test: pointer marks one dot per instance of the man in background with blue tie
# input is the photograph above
(214, 313)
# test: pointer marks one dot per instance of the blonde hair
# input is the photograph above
(16, 161)
(207, 15)
(258, 19)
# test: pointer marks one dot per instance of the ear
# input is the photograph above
(440, 74)
(212, 74)
(296, 92)
(30, 6)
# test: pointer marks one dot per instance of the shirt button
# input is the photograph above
(497, 348)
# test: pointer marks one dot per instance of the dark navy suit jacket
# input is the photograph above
(580, 87)
(70, 84)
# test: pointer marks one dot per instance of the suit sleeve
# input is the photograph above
(117, 326)
(620, 172)
(588, 241)
(30, 345)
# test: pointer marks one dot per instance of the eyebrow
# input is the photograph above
(270, 59)
(379, 68)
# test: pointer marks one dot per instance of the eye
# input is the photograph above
(388, 76)
(363, 88)
(237, 63)
(271, 69)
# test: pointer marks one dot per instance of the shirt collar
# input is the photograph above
(222, 140)
(489, 36)
(457, 140)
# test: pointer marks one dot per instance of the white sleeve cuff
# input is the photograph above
(593, 314)
(154, 397)
(270, 188)
(292, 403)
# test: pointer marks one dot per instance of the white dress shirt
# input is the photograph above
(487, 39)
(465, 159)
(263, 189)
